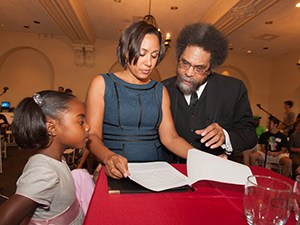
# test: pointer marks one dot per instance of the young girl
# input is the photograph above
(49, 122)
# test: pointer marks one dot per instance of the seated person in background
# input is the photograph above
(295, 149)
(276, 145)
(3, 126)
(61, 89)
(3, 123)
(294, 125)
(69, 91)
(259, 130)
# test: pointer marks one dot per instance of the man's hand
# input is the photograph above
(213, 135)
(269, 153)
(274, 154)
(277, 153)
(116, 167)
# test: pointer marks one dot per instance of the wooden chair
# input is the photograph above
(2, 149)
(70, 154)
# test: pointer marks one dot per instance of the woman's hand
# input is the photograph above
(116, 167)
(224, 156)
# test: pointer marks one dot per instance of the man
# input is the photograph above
(3, 126)
(259, 129)
(69, 91)
(288, 119)
(294, 143)
(61, 89)
(219, 119)
(276, 145)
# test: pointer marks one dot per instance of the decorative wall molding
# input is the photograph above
(229, 15)
(84, 55)
(79, 59)
(241, 13)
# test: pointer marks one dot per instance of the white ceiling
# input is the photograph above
(106, 16)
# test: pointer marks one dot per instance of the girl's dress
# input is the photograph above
(49, 183)
(131, 118)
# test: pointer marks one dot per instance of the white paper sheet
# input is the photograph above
(204, 166)
(156, 176)
(159, 176)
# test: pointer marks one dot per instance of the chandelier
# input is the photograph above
(151, 20)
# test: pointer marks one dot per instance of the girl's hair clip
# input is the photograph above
(38, 99)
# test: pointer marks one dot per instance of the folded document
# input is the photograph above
(160, 176)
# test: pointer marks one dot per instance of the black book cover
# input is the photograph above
(127, 186)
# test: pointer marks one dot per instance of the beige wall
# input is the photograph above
(256, 73)
(285, 83)
(29, 63)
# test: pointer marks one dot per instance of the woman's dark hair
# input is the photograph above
(131, 40)
(207, 37)
(29, 124)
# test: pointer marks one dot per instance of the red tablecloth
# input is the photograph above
(211, 203)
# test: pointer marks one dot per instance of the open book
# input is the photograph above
(159, 176)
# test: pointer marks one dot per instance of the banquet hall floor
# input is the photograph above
(13, 165)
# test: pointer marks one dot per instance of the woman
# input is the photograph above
(128, 112)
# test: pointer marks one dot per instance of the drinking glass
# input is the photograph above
(267, 200)
(296, 198)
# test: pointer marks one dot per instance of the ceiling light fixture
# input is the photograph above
(298, 5)
(151, 20)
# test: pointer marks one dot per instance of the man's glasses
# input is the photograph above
(183, 64)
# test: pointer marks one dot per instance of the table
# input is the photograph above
(211, 203)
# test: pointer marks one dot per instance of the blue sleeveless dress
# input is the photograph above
(132, 116)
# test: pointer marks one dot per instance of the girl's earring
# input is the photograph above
(51, 130)
(51, 134)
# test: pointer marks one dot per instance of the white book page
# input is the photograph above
(159, 176)
(204, 166)
(156, 176)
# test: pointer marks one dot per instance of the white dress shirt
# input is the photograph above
(227, 145)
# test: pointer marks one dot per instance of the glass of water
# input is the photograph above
(267, 200)
(296, 198)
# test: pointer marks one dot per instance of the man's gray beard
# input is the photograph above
(187, 89)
